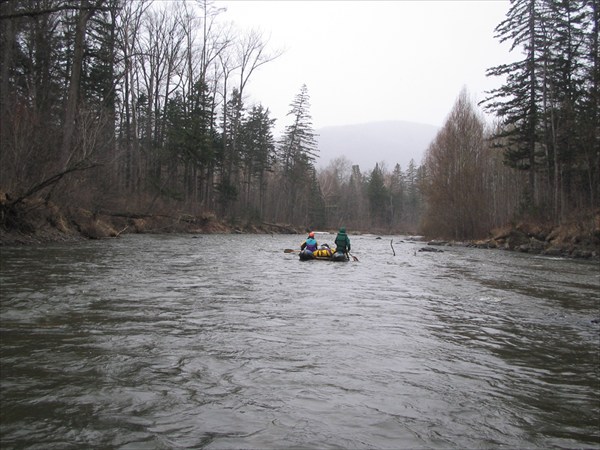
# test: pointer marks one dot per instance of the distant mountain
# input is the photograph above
(393, 142)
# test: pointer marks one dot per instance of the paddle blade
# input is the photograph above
(289, 250)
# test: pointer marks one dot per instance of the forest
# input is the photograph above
(138, 107)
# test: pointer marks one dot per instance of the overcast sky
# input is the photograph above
(367, 60)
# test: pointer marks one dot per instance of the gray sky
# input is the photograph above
(367, 60)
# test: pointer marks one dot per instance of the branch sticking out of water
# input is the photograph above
(391, 245)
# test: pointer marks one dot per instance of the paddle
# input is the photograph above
(289, 250)
(353, 257)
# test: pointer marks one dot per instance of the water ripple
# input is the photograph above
(226, 342)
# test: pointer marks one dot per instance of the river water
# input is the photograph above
(227, 342)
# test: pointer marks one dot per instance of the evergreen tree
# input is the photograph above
(588, 109)
(355, 204)
(378, 197)
(32, 95)
(397, 190)
(299, 142)
(413, 194)
(563, 81)
(297, 153)
(98, 81)
(517, 101)
(545, 103)
(257, 149)
(317, 217)
(190, 141)
(229, 161)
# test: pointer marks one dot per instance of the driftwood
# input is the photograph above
(127, 215)
(431, 250)
(280, 227)
(132, 215)
(119, 233)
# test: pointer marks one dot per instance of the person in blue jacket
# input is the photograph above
(310, 243)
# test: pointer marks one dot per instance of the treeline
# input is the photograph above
(378, 200)
(542, 160)
(141, 106)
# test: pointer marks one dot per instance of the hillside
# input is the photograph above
(366, 144)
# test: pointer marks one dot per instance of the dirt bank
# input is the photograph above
(36, 221)
(579, 238)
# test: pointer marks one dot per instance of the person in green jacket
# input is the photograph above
(342, 242)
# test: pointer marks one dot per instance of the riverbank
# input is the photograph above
(34, 221)
(577, 239)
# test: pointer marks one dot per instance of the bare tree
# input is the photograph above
(129, 31)
(454, 181)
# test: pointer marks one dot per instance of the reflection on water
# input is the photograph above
(226, 342)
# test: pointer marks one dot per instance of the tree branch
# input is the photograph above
(41, 12)
(52, 180)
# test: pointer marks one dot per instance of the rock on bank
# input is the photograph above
(576, 239)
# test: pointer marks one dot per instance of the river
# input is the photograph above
(227, 342)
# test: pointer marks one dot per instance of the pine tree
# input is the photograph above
(378, 197)
(257, 149)
(517, 102)
(397, 190)
(562, 79)
(229, 161)
(191, 140)
(413, 194)
(32, 95)
(317, 217)
(297, 153)
(588, 109)
(299, 142)
(355, 202)
(549, 103)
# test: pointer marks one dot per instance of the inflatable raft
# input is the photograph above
(323, 254)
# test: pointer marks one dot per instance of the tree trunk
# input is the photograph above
(8, 33)
(74, 86)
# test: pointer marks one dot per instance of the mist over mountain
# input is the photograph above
(391, 142)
